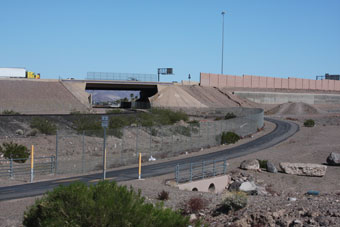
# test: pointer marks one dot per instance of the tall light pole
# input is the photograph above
(223, 12)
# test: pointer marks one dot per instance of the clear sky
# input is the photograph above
(68, 38)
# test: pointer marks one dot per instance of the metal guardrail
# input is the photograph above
(200, 170)
(13, 167)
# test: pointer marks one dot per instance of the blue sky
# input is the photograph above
(295, 38)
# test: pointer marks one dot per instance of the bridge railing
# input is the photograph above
(200, 170)
(121, 76)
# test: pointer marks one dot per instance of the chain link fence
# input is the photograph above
(82, 152)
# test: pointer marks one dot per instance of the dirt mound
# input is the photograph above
(293, 108)
(174, 96)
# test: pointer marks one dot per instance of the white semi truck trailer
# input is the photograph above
(18, 73)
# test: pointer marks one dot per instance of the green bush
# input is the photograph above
(229, 138)
(229, 115)
(15, 151)
(167, 116)
(104, 204)
(44, 126)
(309, 123)
(10, 112)
(194, 123)
(234, 201)
(263, 163)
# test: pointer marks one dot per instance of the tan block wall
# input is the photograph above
(249, 81)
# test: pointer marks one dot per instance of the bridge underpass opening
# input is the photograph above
(121, 95)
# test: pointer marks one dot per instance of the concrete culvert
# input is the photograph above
(194, 189)
(211, 187)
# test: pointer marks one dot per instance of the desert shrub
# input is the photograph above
(154, 132)
(309, 123)
(163, 195)
(229, 115)
(10, 112)
(263, 163)
(167, 116)
(86, 123)
(33, 132)
(104, 204)
(182, 130)
(194, 123)
(44, 126)
(234, 201)
(229, 138)
(193, 205)
(15, 151)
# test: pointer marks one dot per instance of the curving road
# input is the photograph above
(283, 131)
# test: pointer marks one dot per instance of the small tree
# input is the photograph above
(15, 151)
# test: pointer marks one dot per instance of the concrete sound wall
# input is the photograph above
(248, 81)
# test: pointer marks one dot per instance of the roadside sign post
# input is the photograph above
(105, 124)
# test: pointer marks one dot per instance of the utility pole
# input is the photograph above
(223, 12)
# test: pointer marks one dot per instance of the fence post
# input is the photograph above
(11, 168)
(214, 168)
(83, 154)
(225, 166)
(150, 142)
(208, 133)
(203, 168)
(190, 172)
(56, 152)
(191, 137)
(177, 173)
(137, 142)
(52, 161)
(215, 134)
(172, 143)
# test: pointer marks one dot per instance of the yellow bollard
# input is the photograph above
(32, 163)
(140, 166)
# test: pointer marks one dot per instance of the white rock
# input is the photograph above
(247, 186)
(304, 169)
(151, 159)
(250, 165)
(193, 217)
(292, 199)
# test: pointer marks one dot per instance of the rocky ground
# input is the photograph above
(282, 198)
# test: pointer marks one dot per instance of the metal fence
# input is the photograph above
(82, 152)
(15, 167)
(121, 76)
(200, 170)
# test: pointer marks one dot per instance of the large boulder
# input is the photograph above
(304, 169)
(250, 165)
(271, 167)
(248, 187)
(333, 159)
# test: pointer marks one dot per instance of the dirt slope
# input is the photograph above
(37, 96)
(197, 97)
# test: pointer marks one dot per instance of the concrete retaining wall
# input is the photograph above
(248, 81)
(215, 184)
(279, 98)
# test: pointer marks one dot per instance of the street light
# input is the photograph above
(223, 12)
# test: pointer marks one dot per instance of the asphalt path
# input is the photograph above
(283, 131)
